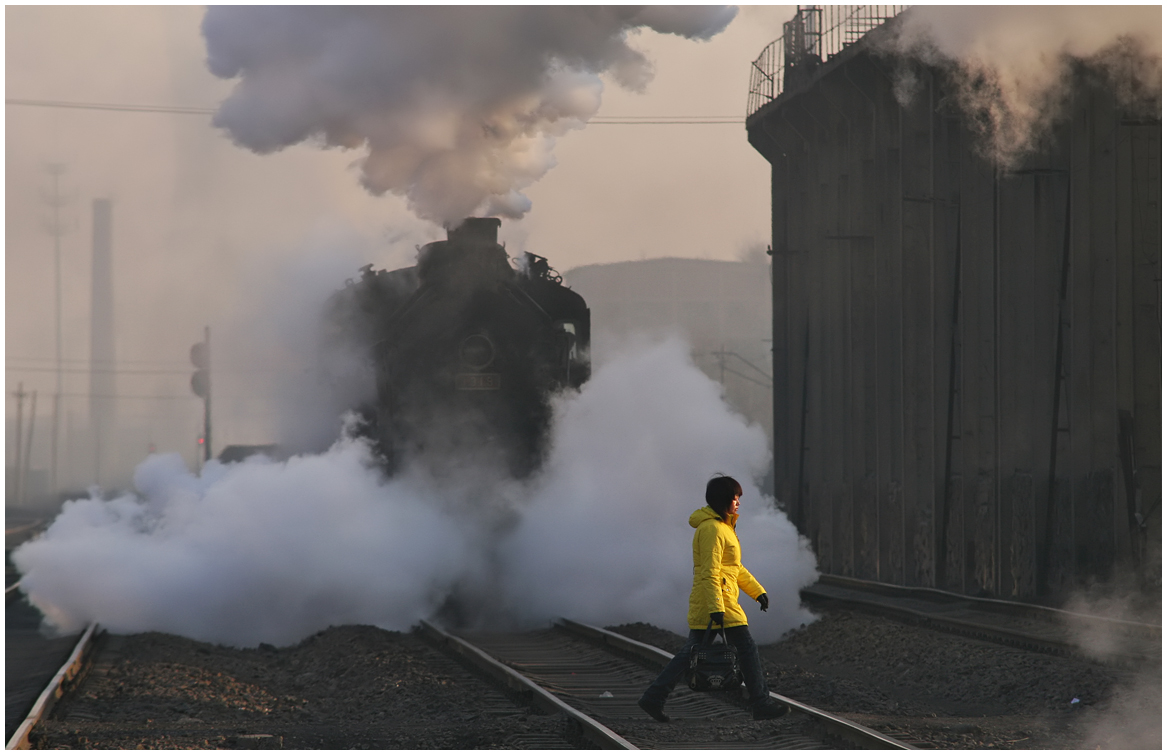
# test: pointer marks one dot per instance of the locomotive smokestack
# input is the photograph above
(475, 229)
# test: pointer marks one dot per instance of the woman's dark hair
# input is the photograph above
(720, 492)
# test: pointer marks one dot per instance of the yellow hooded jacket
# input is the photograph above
(718, 571)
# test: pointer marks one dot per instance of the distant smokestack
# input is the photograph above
(102, 381)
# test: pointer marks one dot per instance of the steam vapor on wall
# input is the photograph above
(457, 108)
(262, 551)
(1014, 65)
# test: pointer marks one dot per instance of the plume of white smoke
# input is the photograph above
(271, 552)
(309, 377)
(1130, 716)
(1013, 65)
(629, 465)
(456, 108)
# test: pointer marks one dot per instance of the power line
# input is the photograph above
(129, 396)
(87, 370)
(116, 107)
(608, 120)
(68, 360)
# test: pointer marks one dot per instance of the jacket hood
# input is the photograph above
(704, 514)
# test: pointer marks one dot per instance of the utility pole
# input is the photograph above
(17, 463)
(27, 453)
(102, 354)
(56, 228)
(207, 402)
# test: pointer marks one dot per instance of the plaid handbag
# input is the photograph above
(713, 666)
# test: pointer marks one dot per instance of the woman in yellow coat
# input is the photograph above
(718, 577)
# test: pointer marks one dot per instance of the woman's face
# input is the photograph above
(734, 504)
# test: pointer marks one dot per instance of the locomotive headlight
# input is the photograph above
(476, 351)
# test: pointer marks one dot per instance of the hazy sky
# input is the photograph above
(207, 233)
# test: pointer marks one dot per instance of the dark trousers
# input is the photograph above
(747, 657)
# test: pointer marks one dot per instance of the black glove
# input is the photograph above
(718, 617)
(764, 601)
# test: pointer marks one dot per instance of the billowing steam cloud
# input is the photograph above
(272, 552)
(456, 108)
(1013, 64)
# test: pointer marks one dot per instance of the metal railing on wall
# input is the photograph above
(815, 35)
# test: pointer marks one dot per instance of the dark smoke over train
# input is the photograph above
(467, 349)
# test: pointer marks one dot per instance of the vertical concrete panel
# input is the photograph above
(802, 316)
(831, 453)
(1019, 374)
(1021, 565)
(1100, 530)
(929, 544)
(863, 367)
(978, 376)
(918, 441)
(819, 381)
(916, 272)
(852, 234)
(779, 341)
(1049, 208)
(880, 206)
(1054, 230)
(1145, 285)
(890, 285)
(1078, 370)
(1125, 485)
(866, 341)
(797, 257)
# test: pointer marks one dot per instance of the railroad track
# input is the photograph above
(1022, 625)
(595, 677)
(37, 669)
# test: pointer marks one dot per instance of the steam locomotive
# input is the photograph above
(467, 349)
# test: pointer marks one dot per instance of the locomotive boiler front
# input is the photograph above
(467, 363)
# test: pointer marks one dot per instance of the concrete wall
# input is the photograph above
(960, 353)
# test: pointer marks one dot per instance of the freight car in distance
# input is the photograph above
(467, 349)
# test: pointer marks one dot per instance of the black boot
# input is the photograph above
(770, 709)
(654, 709)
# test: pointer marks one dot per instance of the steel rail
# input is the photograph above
(863, 595)
(581, 724)
(847, 731)
(995, 605)
(24, 527)
(55, 689)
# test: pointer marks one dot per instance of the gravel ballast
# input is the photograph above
(363, 687)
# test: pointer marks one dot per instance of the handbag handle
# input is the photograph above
(708, 640)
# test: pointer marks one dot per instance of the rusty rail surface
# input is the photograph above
(55, 689)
